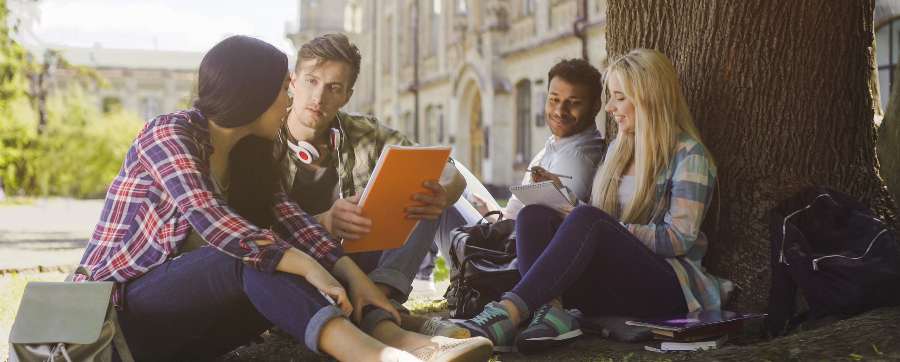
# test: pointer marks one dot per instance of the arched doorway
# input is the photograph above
(476, 136)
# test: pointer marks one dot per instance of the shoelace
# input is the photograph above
(431, 325)
(486, 315)
(541, 313)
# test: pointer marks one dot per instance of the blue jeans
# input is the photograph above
(204, 303)
(397, 268)
(593, 263)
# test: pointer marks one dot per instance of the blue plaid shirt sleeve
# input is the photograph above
(691, 192)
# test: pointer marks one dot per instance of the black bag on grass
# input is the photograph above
(484, 265)
(836, 252)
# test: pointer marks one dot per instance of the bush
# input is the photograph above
(79, 153)
(18, 125)
(82, 148)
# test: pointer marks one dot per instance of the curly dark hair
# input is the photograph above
(579, 72)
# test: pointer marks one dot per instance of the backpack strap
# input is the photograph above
(119, 338)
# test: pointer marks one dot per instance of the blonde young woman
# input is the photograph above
(637, 249)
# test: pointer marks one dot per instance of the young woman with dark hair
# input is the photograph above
(194, 278)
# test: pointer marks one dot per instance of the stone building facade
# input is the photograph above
(477, 69)
(144, 82)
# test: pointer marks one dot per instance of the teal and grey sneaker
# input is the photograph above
(551, 326)
(493, 322)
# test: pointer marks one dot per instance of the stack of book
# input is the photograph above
(694, 331)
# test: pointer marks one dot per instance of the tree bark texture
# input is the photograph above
(779, 90)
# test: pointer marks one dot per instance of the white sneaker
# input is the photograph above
(443, 349)
(439, 327)
(395, 355)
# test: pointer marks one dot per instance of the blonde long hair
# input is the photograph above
(650, 82)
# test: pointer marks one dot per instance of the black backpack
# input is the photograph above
(484, 265)
(836, 252)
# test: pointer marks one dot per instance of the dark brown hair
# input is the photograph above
(239, 79)
(336, 47)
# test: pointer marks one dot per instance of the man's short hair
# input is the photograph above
(334, 46)
(580, 72)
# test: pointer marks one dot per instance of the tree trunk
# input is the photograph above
(779, 90)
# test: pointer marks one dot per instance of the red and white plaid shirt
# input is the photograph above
(164, 191)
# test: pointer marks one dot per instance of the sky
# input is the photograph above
(187, 25)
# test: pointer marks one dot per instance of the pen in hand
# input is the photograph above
(548, 173)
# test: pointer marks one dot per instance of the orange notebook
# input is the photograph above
(399, 173)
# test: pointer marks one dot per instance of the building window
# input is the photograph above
(358, 18)
(408, 125)
(150, 107)
(523, 123)
(461, 7)
(441, 126)
(111, 104)
(540, 102)
(348, 18)
(414, 26)
(386, 47)
(353, 18)
(436, 6)
(406, 37)
(550, 6)
(434, 125)
(429, 137)
(888, 43)
(527, 7)
(434, 26)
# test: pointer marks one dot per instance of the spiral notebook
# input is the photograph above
(543, 193)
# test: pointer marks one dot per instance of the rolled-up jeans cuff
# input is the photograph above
(399, 306)
(316, 323)
(398, 281)
(518, 302)
(371, 319)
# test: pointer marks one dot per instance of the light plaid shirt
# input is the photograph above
(164, 191)
(684, 193)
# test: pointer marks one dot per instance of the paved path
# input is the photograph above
(53, 233)
(47, 233)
